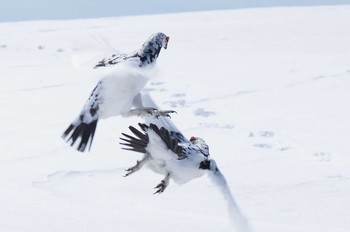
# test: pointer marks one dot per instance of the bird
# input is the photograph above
(117, 92)
(168, 152)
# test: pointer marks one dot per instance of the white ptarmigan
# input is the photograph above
(118, 91)
(167, 152)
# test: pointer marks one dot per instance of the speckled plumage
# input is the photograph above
(117, 91)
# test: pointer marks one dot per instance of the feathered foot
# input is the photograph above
(138, 166)
(150, 111)
(163, 113)
(162, 185)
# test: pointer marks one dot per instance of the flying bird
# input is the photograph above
(118, 90)
(166, 151)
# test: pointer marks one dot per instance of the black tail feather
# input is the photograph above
(83, 131)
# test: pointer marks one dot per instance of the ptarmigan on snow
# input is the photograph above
(118, 91)
(167, 152)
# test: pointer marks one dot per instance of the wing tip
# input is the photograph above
(137, 143)
(84, 131)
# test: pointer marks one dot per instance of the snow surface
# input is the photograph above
(266, 88)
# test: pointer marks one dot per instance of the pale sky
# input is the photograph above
(18, 10)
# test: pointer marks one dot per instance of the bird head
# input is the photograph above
(165, 42)
(151, 48)
(201, 144)
(160, 39)
(157, 40)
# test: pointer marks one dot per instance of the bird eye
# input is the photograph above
(167, 38)
(192, 138)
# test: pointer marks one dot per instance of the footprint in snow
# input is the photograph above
(203, 113)
(156, 87)
(323, 156)
(179, 101)
(338, 177)
(266, 134)
(263, 145)
(157, 83)
(178, 95)
(216, 125)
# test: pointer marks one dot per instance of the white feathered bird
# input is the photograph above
(118, 91)
(167, 152)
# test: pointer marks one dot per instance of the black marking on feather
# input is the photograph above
(205, 164)
(171, 142)
(115, 59)
(147, 54)
(178, 136)
(83, 131)
(93, 111)
(144, 127)
(138, 143)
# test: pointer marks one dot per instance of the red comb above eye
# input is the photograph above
(192, 138)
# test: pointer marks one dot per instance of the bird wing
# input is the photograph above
(89, 58)
(114, 59)
(84, 126)
(237, 218)
(154, 140)
(92, 49)
(112, 96)
(168, 139)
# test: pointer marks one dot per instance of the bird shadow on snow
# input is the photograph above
(66, 178)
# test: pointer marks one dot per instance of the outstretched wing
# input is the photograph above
(138, 143)
(141, 141)
(114, 59)
(84, 126)
(112, 96)
(237, 218)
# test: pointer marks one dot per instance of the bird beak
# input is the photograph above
(167, 40)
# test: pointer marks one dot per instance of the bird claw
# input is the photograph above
(160, 187)
(164, 113)
(129, 171)
(135, 168)
(146, 111)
